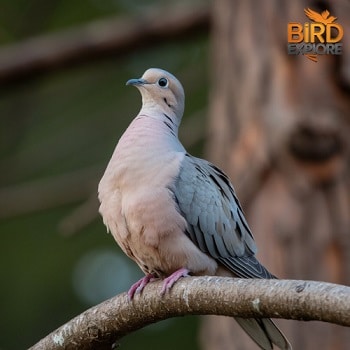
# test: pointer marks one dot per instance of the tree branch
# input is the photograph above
(102, 325)
(116, 35)
(51, 192)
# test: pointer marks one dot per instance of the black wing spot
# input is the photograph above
(198, 168)
(169, 126)
(240, 214)
(166, 101)
(170, 120)
(239, 231)
(223, 177)
(223, 193)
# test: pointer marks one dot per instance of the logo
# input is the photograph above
(322, 36)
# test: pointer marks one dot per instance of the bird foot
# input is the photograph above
(138, 287)
(175, 276)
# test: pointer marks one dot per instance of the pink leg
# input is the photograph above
(175, 276)
(139, 285)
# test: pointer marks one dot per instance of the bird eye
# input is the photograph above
(163, 82)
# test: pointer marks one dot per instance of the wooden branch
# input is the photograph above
(116, 35)
(48, 193)
(102, 325)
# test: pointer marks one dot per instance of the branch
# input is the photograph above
(47, 193)
(116, 35)
(102, 325)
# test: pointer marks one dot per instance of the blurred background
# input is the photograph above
(277, 124)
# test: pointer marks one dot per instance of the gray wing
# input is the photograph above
(216, 223)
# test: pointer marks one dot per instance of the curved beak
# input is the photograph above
(136, 82)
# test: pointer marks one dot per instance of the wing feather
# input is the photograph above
(216, 223)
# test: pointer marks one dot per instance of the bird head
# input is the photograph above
(160, 88)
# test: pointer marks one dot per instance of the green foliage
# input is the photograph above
(63, 122)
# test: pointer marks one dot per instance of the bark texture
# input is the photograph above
(103, 325)
(279, 126)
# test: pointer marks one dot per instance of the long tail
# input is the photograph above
(264, 332)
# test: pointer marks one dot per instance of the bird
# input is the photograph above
(172, 213)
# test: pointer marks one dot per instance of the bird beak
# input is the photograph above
(136, 82)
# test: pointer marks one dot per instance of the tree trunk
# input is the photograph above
(279, 126)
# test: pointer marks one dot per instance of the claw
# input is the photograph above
(140, 285)
(175, 276)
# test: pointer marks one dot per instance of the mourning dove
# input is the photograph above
(172, 213)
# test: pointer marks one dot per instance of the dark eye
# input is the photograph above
(163, 82)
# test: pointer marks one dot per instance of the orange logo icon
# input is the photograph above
(320, 37)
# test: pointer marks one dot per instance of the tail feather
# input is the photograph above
(264, 332)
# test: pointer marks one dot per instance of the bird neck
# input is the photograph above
(162, 110)
(151, 133)
(163, 120)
